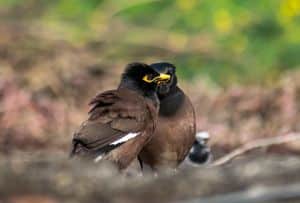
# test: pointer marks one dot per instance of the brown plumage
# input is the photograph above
(176, 125)
(128, 112)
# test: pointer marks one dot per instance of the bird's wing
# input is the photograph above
(115, 116)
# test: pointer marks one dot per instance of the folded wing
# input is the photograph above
(115, 117)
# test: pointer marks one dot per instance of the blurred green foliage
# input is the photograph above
(225, 41)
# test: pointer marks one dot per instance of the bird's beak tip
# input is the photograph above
(164, 77)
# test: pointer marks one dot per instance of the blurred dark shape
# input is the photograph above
(200, 152)
(289, 56)
(265, 29)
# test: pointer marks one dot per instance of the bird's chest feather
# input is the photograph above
(176, 128)
(174, 132)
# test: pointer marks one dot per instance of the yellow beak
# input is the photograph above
(164, 77)
(161, 78)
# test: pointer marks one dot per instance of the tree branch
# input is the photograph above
(266, 142)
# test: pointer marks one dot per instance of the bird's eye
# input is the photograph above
(150, 76)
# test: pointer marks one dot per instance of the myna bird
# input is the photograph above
(175, 131)
(121, 121)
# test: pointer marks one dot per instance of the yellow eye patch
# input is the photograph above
(147, 78)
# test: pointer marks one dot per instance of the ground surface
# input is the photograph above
(264, 179)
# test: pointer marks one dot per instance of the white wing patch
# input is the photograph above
(125, 138)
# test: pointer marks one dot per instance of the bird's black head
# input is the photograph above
(143, 78)
(166, 68)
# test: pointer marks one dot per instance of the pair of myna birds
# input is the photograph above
(148, 117)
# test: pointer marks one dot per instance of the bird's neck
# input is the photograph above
(171, 102)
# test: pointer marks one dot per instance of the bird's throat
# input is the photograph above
(170, 103)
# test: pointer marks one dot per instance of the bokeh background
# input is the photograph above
(237, 60)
